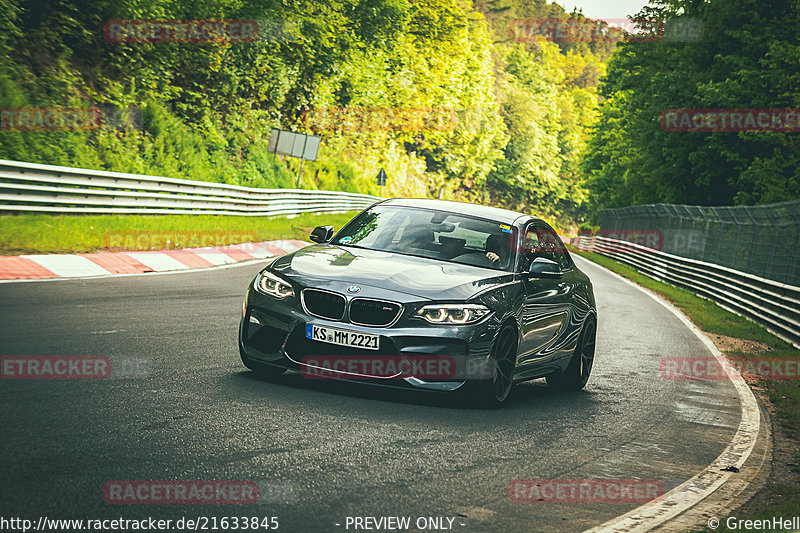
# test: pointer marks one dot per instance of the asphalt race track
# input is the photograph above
(324, 451)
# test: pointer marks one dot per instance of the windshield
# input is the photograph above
(432, 234)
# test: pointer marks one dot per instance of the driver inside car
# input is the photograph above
(497, 249)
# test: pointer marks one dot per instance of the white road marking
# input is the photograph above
(693, 491)
(75, 266)
(246, 262)
(67, 265)
(286, 246)
(157, 261)
(216, 258)
(256, 251)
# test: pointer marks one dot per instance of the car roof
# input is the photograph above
(482, 211)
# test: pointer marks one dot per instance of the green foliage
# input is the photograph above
(548, 105)
(747, 58)
(204, 111)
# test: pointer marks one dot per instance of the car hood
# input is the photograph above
(416, 276)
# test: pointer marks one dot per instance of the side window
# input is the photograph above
(555, 249)
(530, 248)
(542, 242)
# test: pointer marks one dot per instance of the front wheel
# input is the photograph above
(494, 391)
(576, 375)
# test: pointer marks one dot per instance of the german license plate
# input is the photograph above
(342, 337)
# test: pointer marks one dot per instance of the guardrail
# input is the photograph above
(763, 240)
(773, 304)
(46, 188)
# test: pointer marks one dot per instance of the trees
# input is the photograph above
(747, 58)
(517, 112)
(548, 96)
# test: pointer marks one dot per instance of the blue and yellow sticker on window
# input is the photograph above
(505, 229)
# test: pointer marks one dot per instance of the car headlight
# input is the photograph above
(273, 285)
(452, 313)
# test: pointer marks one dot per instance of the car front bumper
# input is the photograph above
(272, 332)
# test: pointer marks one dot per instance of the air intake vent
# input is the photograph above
(324, 304)
(373, 312)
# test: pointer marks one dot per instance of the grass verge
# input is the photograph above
(781, 496)
(37, 234)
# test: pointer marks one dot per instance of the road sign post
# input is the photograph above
(381, 179)
(299, 172)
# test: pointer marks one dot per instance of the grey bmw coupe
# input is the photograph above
(426, 294)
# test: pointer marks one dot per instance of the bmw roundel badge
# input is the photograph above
(353, 289)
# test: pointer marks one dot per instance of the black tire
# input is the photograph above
(260, 369)
(489, 393)
(576, 375)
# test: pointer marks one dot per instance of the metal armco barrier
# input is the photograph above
(770, 303)
(763, 240)
(30, 187)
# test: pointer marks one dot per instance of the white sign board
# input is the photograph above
(293, 144)
(312, 148)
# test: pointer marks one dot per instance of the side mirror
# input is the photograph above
(544, 268)
(322, 234)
